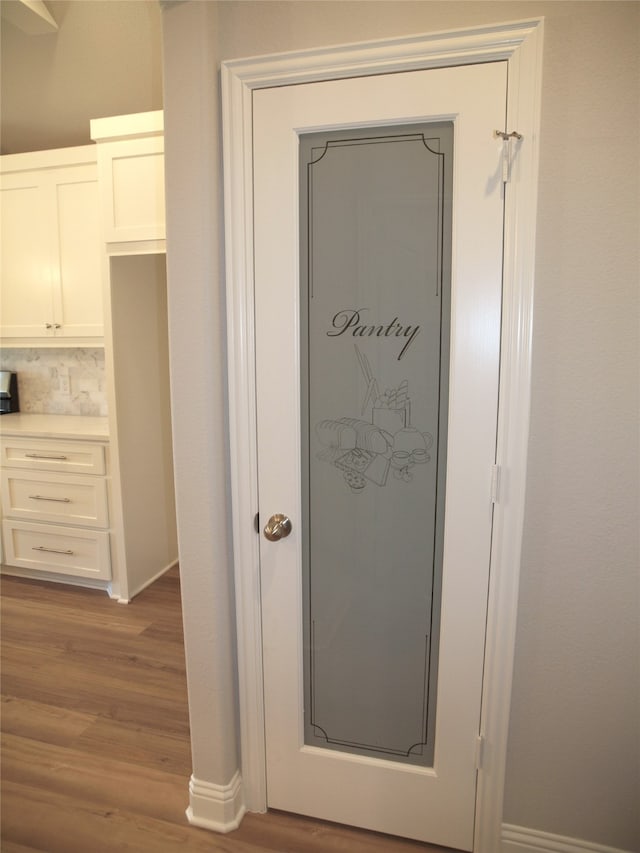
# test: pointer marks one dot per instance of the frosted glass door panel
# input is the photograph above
(375, 275)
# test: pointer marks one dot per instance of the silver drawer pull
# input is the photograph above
(51, 550)
(44, 498)
(44, 456)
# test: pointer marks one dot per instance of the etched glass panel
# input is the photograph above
(375, 276)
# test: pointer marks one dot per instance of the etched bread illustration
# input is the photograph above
(349, 433)
(368, 436)
(336, 434)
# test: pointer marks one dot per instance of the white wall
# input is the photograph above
(574, 750)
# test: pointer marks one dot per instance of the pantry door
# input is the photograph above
(378, 263)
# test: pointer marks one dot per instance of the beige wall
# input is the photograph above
(104, 60)
(574, 751)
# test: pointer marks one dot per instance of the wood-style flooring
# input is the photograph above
(95, 733)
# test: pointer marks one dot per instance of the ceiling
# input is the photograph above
(104, 59)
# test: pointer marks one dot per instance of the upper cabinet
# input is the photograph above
(131, 174)
(51, 276)
(62, 213)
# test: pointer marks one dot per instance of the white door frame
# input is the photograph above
(520, 44)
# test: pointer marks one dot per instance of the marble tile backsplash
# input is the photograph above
(59, 381)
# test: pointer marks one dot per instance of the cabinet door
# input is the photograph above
(61, 498)
(43, 454)
(27, 268)
(132, 189)
(50, 548)
(51, 259)
(78, 282)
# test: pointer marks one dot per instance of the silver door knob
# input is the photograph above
(277, 527)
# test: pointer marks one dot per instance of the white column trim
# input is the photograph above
(520, 44)
(523, 115)
(216, 807)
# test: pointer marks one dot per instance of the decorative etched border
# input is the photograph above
(422, 750)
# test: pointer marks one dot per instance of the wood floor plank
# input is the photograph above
(97, 736)
(288, 833)
(14, 847)
(38, 721)
(99, 651)
(96, 750)
(169, 633)
(118, 696)
(49, 822)
(34, 611)
(149, 657)
(96, 779)
(21, 653)
(138, 745)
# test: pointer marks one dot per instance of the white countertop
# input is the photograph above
(55, 426)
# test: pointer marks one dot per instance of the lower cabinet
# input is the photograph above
(55, 507)
(72, 551)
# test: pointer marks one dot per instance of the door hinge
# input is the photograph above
(507, 138)
(479, 751)
(495, 483)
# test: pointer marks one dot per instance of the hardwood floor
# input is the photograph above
(95, 733)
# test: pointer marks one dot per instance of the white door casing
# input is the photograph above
(520, 45)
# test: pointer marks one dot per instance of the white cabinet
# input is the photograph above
(131, 175)
(131, 188)
(65, 513)
(64, 498)
(51, 274)
(55, 507)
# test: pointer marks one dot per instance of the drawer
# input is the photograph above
(64, 498)
(64, 550)
(74, 457)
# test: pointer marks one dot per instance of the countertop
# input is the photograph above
(75, 427)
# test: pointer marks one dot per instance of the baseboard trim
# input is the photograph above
(148, 582)
(216, 807)
(53, 577)
(519, 839)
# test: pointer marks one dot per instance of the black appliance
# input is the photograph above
(9, 401)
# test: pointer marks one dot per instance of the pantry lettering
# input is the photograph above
(348, 321)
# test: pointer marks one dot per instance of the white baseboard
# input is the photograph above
(52, 577)
(519, 839)
(216, 807)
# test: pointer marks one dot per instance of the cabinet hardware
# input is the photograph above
(44, 456)
(51, 550)
(44, 498)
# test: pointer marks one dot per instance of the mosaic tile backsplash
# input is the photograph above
(59, 381)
